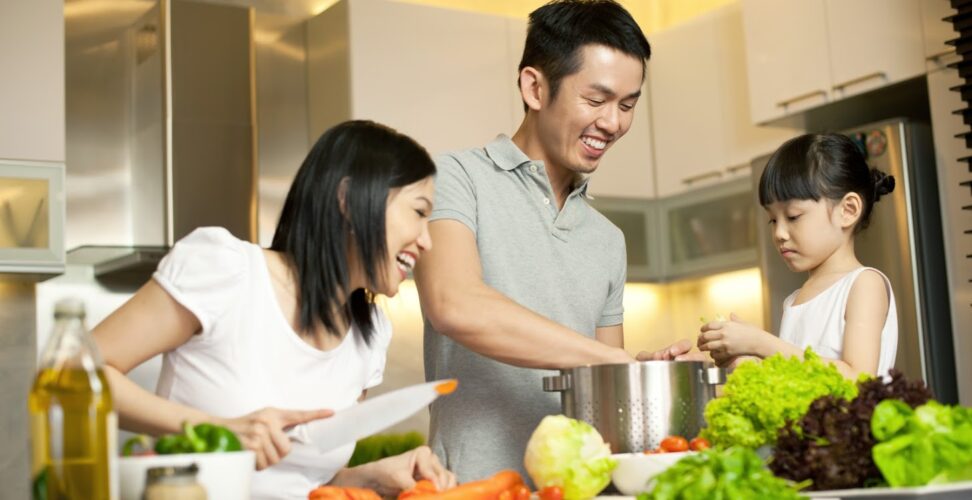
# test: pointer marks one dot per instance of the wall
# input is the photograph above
(31, 128)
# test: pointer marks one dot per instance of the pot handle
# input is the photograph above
(557, 383)
(714, 375)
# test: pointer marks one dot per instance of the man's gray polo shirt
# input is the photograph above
(568, 266)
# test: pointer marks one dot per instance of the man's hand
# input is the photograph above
(677, 351)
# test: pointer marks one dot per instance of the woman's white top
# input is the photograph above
(819, 322)
(248, 357)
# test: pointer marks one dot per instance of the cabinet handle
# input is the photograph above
(736, 168)
(787, 102)
(696, 178)
(938, 55)
(869, 76)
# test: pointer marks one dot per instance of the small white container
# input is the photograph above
(635, 471)
(224, 475)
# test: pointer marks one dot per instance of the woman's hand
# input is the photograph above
(726, 340)
(263, 431)
(391, 475)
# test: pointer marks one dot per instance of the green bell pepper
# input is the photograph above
(201, 438)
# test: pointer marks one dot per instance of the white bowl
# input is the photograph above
(223, 475)
(636, 470)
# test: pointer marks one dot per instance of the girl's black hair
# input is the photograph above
(314, 233)
(815, 166)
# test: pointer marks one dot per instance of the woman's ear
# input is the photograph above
(532, 86)
(851, 209)
(342, 194)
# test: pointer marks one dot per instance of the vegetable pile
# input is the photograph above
(569, 454)
(732, 474)
(929, 444)
(199, 438)
(831, 444)
(675, 444)
(759, 398)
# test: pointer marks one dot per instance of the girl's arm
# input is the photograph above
(150, 323)
(865, 315)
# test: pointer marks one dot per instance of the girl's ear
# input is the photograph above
(532, 87)
(851, 208)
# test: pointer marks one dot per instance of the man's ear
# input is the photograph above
(851, 209)
(342, 194)
(532, 87)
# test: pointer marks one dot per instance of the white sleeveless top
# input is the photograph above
(819, 322)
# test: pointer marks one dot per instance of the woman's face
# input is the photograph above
(407, 231)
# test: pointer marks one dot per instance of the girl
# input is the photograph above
(819, 192)
(247, 331)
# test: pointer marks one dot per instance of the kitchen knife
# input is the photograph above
(371, 416)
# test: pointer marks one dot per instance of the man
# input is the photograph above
(524, 274)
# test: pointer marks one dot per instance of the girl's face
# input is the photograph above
(807, 232)
(407, 232)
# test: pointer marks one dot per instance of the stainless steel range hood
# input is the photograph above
(160, 129)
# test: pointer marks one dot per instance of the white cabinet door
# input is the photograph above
(626, 170)
(685, 100)
(873, 43)
(936, 32)
(743, 140)
(787, 58)
(439, 75)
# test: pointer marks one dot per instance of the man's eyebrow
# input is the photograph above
(610, 93)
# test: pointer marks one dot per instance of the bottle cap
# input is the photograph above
(69, 308)
(154, 474)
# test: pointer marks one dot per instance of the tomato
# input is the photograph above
(505, 495)
(552, 493)
(672, 444)
(699, 444)
(521, 492)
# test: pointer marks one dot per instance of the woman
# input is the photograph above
(260, 340)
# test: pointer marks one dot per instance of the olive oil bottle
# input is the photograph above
(73, 424)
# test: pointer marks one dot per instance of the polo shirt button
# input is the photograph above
(533, 168)
(546, 201)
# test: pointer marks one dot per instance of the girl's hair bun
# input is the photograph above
(883, 183)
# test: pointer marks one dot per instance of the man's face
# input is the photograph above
(593, 108)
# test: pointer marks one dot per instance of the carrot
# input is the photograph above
(361, 494)
(423, 487)
(338, 493)
(484, 489)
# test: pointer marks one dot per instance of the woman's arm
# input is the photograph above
(150, 323)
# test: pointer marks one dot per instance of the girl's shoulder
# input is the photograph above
(869, 281)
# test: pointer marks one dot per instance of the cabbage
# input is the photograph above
(570, 454)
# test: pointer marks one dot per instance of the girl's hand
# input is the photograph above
(263, 431)
(726, 340)
(392, 475)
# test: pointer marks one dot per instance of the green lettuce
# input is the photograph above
(759, 398)
(918, 446)
(731, 474)
(570, 454)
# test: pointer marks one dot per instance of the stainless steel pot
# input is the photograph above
(636, 405)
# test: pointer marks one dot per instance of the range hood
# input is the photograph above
(160, 129)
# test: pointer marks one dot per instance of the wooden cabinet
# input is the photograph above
(804, 53)
(444, 77)
(937, 32)
(700, 105)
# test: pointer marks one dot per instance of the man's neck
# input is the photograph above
(561, 179)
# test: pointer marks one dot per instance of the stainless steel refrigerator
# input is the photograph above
(904, 240)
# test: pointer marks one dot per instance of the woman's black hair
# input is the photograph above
(815, 166)
(558, 30)
(365, 160)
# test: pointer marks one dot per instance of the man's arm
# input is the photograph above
(610, 335)
(461, 306)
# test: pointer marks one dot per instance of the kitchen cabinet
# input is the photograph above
(444, 77)
(804, 53)
(954, 179)
(936, 32)
(703, 133)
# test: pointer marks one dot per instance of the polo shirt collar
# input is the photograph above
(507, 156)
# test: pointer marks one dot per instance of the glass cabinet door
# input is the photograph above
(710, 229)
(31, 217)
